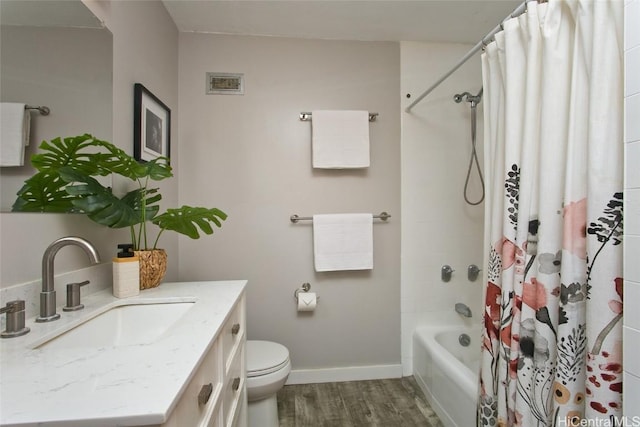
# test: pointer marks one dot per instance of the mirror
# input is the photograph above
(54, 53)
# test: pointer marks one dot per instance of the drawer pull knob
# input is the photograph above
(235, 329)
(205, 394)
(236, 384)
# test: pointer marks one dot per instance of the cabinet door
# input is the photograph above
(216, 395)
(233, 392)
(233, 333)
(201, 398)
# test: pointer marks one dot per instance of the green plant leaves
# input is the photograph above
(44, 192)
(187, 219)
(65, 183)
(121, 163)
(75, 152)
(86, 156)
(157, 169)
(101, 205)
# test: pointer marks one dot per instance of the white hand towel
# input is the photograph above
(14, 133)
(340, 139)
(343, 242)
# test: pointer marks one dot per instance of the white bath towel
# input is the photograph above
(14, 133)
(343, 242)
(340, 139)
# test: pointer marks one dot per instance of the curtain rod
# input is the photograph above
(483, 42)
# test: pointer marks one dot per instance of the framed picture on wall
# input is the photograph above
(151, 125)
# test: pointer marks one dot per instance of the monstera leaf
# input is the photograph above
(102, 206)
(93, 156)
(75, 152)
(121, 163)
(187, 219)
(44, 192)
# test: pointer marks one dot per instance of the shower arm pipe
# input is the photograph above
(483, 42)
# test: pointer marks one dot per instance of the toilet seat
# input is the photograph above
(265, 357)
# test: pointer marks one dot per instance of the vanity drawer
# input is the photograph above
(233, 333)
(233, 392)
(201, 399)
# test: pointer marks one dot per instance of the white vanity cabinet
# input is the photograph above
(216, 394)
(193, 374)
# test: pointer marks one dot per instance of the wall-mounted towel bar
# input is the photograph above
(42, 109)
(306, 117)
(295, 218)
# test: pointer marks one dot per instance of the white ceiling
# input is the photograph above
(458, 21)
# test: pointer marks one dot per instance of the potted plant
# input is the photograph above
(67, 180)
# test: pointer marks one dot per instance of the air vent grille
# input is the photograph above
(225, 83)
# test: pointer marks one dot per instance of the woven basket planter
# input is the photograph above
(153, 266)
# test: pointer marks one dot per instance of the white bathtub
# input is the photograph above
(447, 372)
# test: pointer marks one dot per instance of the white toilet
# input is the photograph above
(268, 367)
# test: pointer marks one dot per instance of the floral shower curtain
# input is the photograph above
(552, 332)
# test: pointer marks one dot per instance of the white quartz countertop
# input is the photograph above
(111, 386)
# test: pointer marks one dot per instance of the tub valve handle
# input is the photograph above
(472, 272)
(445, 272)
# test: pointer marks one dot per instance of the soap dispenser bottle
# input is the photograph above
(126, 272)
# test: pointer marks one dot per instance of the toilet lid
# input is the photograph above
(265, 357)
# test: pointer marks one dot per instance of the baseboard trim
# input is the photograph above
(353, 373)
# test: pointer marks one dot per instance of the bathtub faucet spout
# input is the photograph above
(463, 309)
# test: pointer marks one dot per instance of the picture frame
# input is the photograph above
(151, 126)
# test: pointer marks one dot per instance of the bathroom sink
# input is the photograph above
(125, 324)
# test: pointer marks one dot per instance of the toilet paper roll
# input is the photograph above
(307, 301)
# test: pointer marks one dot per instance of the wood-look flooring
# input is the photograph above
(385, 403)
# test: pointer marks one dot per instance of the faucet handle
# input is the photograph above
(73, 296)
(12, 306)
(15, 319)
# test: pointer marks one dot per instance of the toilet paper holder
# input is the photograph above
(306, 287)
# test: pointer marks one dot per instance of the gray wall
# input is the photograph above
(251, 156)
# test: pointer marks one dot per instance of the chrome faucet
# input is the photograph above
(463, 309)
(48, 294)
